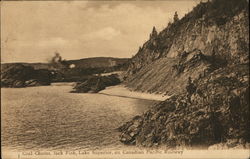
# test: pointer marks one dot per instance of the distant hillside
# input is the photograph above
(76, 70)
(98, 62)
(95, 62)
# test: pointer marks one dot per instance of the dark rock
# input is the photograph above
(19, 75)
(32, 83)
(218, 111)
(95, 84)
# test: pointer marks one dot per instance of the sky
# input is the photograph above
(32, 31)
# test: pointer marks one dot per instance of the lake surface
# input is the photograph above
(51, 118)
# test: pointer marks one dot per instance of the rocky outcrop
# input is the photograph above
(95, 84)
(216, 28)
(18, 75)
(172, 74)
(217, 110)
(202, 61)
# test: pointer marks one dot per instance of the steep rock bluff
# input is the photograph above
(202, 61)
(215, 110)
(216, 29)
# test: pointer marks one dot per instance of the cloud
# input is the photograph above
(79, 29)
(107, 33)
(54, 41)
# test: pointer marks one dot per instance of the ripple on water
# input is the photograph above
(49, 117)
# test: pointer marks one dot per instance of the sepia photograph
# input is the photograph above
(128, 79)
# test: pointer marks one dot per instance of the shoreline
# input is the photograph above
(118, 90)
(122, 91)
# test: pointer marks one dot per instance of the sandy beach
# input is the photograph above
(122, 91)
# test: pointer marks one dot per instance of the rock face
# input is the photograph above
(202, 61)
(95, 84)
(18, 75)
(216, 29)
(217, 110)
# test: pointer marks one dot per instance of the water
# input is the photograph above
(49, 117)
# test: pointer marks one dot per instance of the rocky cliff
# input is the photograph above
(202, 60)
(212, 110)
(216, 29)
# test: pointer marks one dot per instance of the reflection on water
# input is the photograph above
(49, 117)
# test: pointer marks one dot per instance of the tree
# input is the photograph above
(140, 49)
(154, 33)
(176, 17)
(169, 23)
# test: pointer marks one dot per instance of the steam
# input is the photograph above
(56, 61)
(72, 66)
(57, 58)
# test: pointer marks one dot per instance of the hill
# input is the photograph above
(95, 62)
(74, 70)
